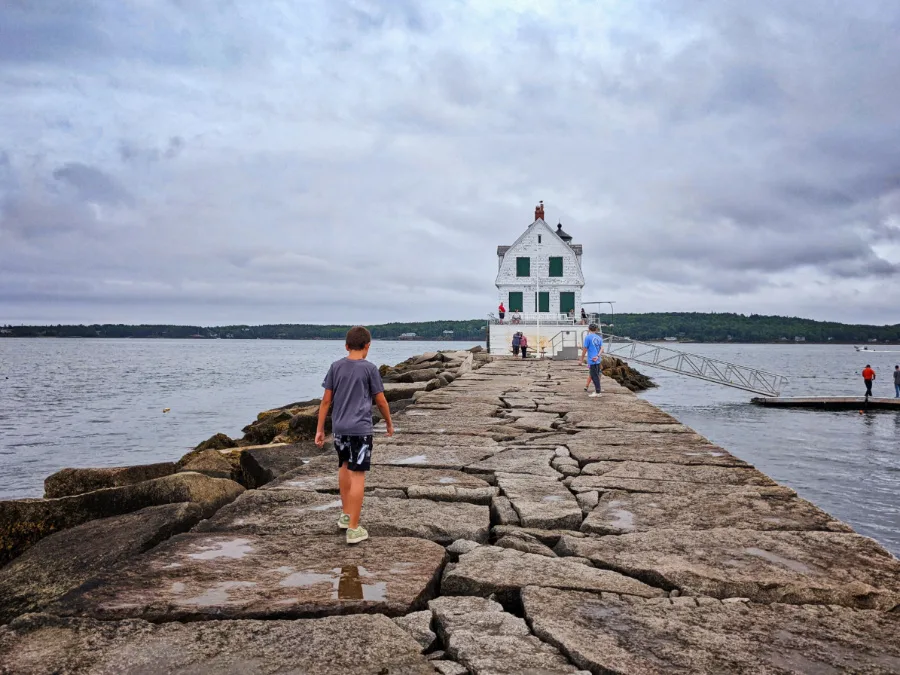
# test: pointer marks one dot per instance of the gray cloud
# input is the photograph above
(219, 160)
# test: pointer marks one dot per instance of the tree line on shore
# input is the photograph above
(693, 326)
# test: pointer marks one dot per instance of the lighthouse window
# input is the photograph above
(539, 239)
(523, 267)
(556, 267)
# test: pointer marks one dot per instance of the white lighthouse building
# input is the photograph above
(539, 281)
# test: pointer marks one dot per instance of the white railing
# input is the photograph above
(544, 318)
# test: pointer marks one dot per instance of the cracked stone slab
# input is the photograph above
(436, 484)
(491, 570)
(619, 634)
(521, 460)
(39, 644)
(588, 451)
(426, 439)
(479, 635)
(542, 503)
(751, 508)
(470, 426)
(642, 439)
(302, 513)
(534, 421)
(418, 625)
(605, 483)
(832, 568)
(715, 475)
(199, 576)
(444, 455)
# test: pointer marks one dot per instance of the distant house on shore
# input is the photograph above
(799, 338)
(448, 333)
(408, 336)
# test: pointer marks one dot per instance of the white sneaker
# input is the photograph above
(594, 394)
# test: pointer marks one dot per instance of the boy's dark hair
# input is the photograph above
(358, 337)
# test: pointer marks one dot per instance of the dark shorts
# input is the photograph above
(356, 451)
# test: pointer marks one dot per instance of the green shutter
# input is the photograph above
(566, 302)
(543, 301)
(556, 267)
(515, 301)
(523, 267)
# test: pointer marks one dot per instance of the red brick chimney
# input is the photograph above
(539, 211)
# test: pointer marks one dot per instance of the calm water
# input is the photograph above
(100, 402)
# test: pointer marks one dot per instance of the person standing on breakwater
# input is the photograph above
(516, 340)
(593, 348)
(896, 381)
(353, 384)
(523, 345)
(501, 310)
(868, 376)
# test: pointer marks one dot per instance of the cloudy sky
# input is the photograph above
(238, 161)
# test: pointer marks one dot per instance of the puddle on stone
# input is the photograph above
(235, 548)
(447, 479)
(415, 459)
(351, 587)
(704, 454)
(552, 498)
(172, 566)
(218, 595)
(336, 504)
(621, 519)
(793, 565)
(177, 587)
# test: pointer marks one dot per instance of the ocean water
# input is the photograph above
(100, 403)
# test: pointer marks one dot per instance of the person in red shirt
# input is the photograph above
(502, 311)
(868, 375)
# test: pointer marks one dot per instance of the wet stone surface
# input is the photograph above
(302, 513)
(612, 633)
(47, 645)
(751, 508)
(831, 568)
(534, 461)
(226, 576)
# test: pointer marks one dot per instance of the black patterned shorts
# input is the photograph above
(355, 450)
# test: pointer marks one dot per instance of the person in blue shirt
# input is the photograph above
(593, 348)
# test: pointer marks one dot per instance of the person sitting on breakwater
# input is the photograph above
(593, 348)
(523, 345)
(868, 375)
(353, 384)
(516, 339)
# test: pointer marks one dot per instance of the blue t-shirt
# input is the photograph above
(593, 342)
(354, 383)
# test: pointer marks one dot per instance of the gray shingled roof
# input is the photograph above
(501, 250)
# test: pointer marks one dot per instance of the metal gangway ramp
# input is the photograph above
(660, 356)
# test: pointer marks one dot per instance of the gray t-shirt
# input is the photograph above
(897, 377)
(354, 384)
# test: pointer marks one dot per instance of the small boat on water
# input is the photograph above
(877, 351)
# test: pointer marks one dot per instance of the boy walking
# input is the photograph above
(352, 384)
(592, 348)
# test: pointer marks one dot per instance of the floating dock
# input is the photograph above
(516, 526)
(829, 402)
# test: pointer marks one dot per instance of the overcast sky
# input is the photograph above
(238, 161)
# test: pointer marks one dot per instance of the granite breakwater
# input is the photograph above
(517, 527)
